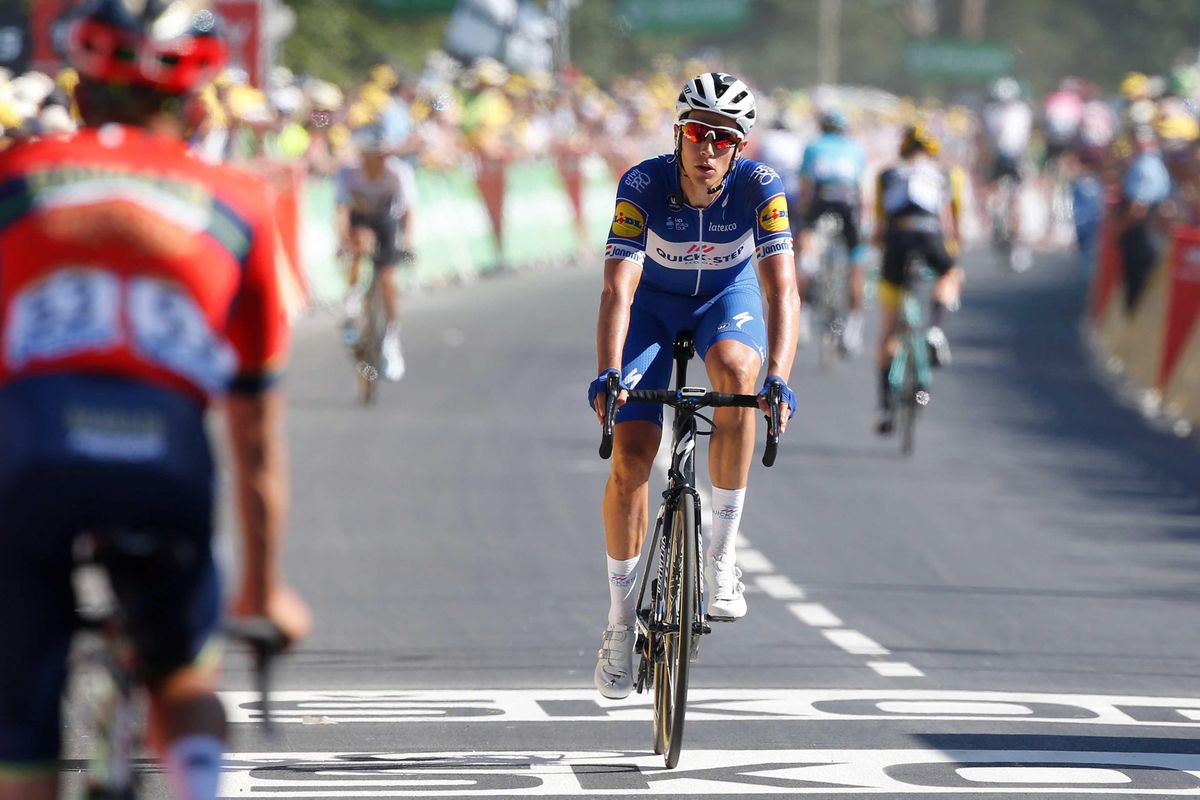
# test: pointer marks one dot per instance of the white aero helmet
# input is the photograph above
(721, 93)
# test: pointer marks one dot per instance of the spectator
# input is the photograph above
(1144, 186)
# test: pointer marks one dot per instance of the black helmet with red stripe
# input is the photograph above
(173, 46)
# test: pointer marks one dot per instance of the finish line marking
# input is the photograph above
(809, 705)
(710, 772)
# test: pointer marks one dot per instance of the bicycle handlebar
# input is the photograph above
(690, 397)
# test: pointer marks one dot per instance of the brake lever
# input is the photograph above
(774, 400)
(612, 386)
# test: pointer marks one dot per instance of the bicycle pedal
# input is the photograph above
(701, 628)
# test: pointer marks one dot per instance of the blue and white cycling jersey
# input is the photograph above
(834, 163)
(698, 252)
(697, 266)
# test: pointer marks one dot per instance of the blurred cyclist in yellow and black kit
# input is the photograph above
(917, 201)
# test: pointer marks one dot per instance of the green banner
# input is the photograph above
(684, 16)
(452, 233)
(539, 221)
(965, 59)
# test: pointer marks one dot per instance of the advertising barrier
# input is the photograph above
(466, 222)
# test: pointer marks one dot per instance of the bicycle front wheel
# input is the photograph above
(671, 672)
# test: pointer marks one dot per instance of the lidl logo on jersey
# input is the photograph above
(773, 217)
(629, 221)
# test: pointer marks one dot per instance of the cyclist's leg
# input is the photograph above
(945, 294)
(35, 632)
(37, 614)
(856, 253)
(646, 363)
(731, 339)
(892, 286)
(386, 256)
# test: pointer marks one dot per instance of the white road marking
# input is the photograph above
(1074, 776)
(815, 614)
(922, 772)
(779, 587)
(751, 560)
(923, 707)
(895, 669)
(508, 706)
(856, 643)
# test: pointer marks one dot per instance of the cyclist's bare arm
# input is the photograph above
(621, 278)
(406, 230)
(260, 479)
(778, 278)
(958, 180)
(880, 214)
(343, 223)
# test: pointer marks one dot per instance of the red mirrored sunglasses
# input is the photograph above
(722, 138)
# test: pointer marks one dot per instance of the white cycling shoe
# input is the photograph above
(614, 662)
(726, 592)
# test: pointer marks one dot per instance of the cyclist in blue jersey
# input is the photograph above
(831, 176)
(688, 228)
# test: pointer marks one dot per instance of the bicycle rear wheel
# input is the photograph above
(671, 672)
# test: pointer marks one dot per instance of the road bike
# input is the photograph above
(832, 290)
(671, 604)
(364, 334)
(911, 374)
(107, 567)
(1005, 204)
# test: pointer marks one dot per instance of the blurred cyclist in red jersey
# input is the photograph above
(137, 284)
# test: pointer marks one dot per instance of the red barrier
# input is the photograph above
(1183, 304)
(490, 181)
(1108, 274)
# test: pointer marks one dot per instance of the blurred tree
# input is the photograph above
(340, 41)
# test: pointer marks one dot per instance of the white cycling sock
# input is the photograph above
(726, 517)
(622, 583)
(194, 766)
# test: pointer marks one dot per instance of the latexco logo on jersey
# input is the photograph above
(629, 221)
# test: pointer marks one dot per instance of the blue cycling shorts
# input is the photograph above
(655, 318)
(88, 453)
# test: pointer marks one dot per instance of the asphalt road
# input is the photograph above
(1012, 611)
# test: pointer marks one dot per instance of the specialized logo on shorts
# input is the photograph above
(636, 179)
(773, 217)
(743, 318)
(629, 221)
